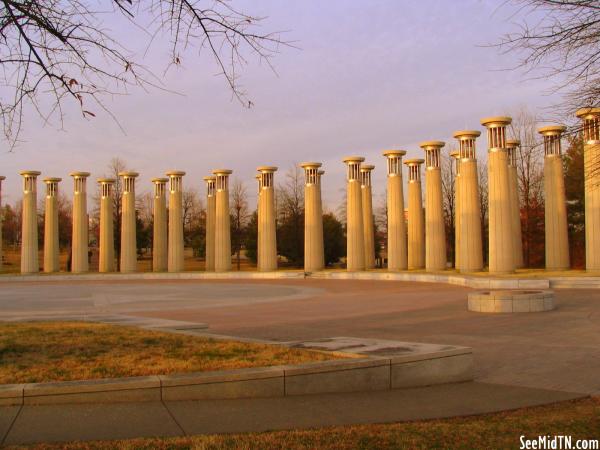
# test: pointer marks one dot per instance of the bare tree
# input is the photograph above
(531, 181)
(240, 213)
(449, 202)
(290, 215)
(483, 207)
(561, 39)
(59, 50)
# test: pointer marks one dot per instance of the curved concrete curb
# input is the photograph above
(478, 282)
(348, 375)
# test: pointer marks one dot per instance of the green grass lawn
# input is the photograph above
(579, 419)
(60, 351)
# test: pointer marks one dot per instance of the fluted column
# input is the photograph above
(267, 240)
(591, 155)
(435, 235)
(210, 224)
(29, 231)
(501, 235)
(512, 146)
(128, 225)
(416, 221)
(355, 238)
(313, 218)
(397, 257)
(557, 240)
(106, 261)
(51, 247)
(222, 221)
(455, 155)
(175, 259)
(469, 213)
(79, 245)
(367, 207)
(2, 178)
(159, 230)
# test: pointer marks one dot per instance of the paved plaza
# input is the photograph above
(557, 350)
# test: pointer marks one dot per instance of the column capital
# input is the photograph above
(591, 124)
(159, 180)
(466, 142)
(365, 174)
(222, 172)
(432, 145)
(51, 186)
(552, 135)
(496, 121)
(552, 130)
(496, 131)
(175, 173)
(432, 153)
(129, 174)
(310, 165)
(211, 184)
(394, 160)
(511, 146)
(266, 169)
(394, 153)
(588, 113)
(414, 161)
(353, 159)
(30, 173)
(79, 174)
(106, 180)
(466, 134)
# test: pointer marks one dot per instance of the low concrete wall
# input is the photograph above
(476, 282)
(349, 375)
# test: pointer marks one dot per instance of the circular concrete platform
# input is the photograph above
(511, 301)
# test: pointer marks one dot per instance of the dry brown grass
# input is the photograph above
(60, 351)
(579, 419)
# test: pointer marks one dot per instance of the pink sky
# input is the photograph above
(368, 75)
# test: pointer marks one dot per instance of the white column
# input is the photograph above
(160, 255)
(267, 239)
(128, 223)
(469, 223)
(222, 221)
(209, 246)
(51, 246)
(314, 259)
(355, 238)
(368, 220)
(591, 155)
(416, 220)
(435, 234)
(106, 261)
(397, 256)
(501, 235)
(557, 238)
(175, 259)
(512, 146)
(29, 231)
(79, 255)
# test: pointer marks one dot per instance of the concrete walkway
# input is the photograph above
(61, 423)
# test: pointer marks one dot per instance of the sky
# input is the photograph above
(365, 76)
